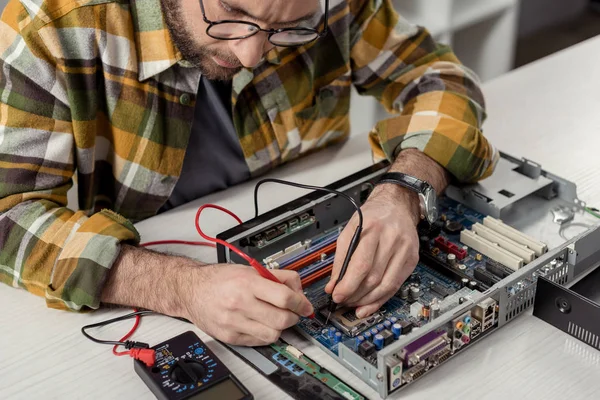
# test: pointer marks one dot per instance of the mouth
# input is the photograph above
(224, 64)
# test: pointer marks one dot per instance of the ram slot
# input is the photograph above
(519, 237)
(491, 250)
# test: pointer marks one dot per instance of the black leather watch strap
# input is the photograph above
(407, 181)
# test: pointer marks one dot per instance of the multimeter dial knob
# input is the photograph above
(187, 371)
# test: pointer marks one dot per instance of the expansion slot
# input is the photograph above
(517, 249)
(300, 361)
(317, 277)
(431, 261)
(491, 250)
(519, 237)
(311, 258)
(316, 245)
(305, 273)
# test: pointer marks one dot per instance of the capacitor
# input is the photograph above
(393, 320)
(451, 259)
(374, 331)
(404, 292)
(388, 324)
(338, 337)
(426, 311)
(435, 311)
(415, 293)
(332, 332)
(380, 327)
(367, 335)
(462, 267)
(397, 330)
(464, 282)
(325, 332)
(415, 278)
(472, 285)
(378, 341)
(360, 339)
(435, 251)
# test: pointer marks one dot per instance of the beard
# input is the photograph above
(193, 52)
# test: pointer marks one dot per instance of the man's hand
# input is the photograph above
(388, 250)
(233, 303)
(387, 253)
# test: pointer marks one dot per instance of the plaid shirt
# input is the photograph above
(94, 90)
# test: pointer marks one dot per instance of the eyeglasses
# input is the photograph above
(285, 37)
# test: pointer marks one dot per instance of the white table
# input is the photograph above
(548, 112)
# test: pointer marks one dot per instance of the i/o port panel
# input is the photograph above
(485, 313)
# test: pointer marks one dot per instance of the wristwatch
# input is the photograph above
(427, 196)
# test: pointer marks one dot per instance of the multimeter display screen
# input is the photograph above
(223, 390)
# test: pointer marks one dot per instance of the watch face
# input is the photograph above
(431, 206)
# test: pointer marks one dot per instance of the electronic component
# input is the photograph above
(338, 337)
(388, 337)
(294, 351)
(426, 311)
(485, 313)
(423, 347)
(347, 322)
(450, 247)
(475, 328)
(491, 250)
(275, 260)
(414, 293)
(186, 368)
(484, 276)
(508, 231)
(397, 330)
(517, 249)
(407, 327)
(461, 332)
(365, 349)
(442, 290)
(497, 269)
(416, 310)
(435, 310)
(395, 373)
(453, 227)
(414, 373)
(404, 290)
(451, 258)
(378, 341)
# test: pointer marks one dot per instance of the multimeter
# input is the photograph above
(186, 368)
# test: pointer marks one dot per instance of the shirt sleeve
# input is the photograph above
(45, 247)
(440, 105)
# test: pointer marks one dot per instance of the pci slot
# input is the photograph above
(506, 243)
(519, 237)
(319, 248)
(491, 250)
(316, 267)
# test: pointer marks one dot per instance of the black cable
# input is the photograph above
(355, 238)
(127, 344)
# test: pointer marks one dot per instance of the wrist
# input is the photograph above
(404, 200)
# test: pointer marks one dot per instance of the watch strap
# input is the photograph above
(407, 181)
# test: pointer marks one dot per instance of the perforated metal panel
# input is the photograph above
(584, 335)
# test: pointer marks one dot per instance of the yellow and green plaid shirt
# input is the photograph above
(95, 90)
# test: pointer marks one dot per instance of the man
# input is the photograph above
(152, 109)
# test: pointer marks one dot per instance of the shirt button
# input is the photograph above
(185, 99)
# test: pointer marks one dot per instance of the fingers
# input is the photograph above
(400, 268)
(289, 278)
(359, 267)
(281, 296)
(383, 255)
(271, 316)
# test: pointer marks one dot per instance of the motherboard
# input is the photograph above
(476, 272)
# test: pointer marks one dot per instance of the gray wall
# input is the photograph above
(539, 14)
(2, 4)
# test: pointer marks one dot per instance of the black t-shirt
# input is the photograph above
(214, 159)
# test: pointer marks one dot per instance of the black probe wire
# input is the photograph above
(112, 321)
(353, 242)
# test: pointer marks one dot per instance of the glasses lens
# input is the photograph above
(232, 30)
(296, 37)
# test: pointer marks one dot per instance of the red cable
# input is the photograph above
(127, 336)
(178, 242)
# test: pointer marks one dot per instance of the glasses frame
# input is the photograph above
(271, 32)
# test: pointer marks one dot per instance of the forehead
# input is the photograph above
(278, 10)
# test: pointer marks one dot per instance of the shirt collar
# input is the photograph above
(156, 51)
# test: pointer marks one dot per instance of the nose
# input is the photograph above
(250, 51)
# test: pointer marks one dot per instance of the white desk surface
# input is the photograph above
(548, 112)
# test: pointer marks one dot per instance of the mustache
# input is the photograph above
(228, 58)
